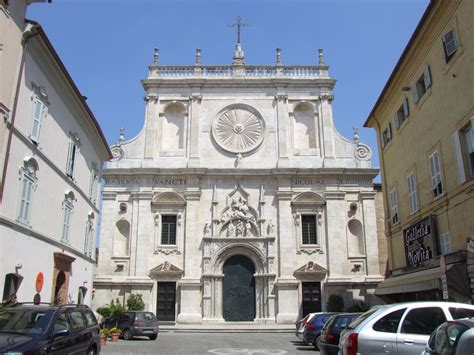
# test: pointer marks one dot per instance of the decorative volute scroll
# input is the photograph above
(238, 129)
(361, 151)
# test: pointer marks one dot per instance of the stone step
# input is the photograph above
(228, 327)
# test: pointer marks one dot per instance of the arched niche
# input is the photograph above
(355, 238)
(121, 238)
(173, 125)
(304, 128)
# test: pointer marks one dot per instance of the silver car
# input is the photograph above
(402, 328)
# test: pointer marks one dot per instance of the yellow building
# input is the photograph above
(424, 120)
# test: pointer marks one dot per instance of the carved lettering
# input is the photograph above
(169, 181)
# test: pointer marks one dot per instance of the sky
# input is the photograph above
(107, 45)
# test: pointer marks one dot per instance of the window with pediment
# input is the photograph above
(68, 205)
(28, 183)
(308, 211)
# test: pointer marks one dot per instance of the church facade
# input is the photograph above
(238, 200)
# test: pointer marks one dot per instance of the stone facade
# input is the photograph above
(247, 164)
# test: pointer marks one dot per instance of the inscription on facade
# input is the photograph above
(156, 181)
(168, 181)
(301, 181)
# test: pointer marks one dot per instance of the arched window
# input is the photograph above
(173, 128)
(355, 238)
(121, 238)
(68, 205)
(304, 128)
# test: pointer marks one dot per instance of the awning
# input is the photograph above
(417, 281)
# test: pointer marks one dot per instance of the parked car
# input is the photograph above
(48, 329)
(454, 337)
(402, 328)
(133, 323)
(328, 343)
(314, 326)
(300, 325)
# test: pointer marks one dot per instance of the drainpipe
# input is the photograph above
(30, 31)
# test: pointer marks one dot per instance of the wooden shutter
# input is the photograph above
(406, 108)
(458, 157)
(414, 92)
(427, 76)
(38, 108)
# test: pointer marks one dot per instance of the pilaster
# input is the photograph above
(282, 123)
(195, 108)
(151, 129)
(286, 239)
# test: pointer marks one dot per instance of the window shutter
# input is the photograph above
(406, 108)
(414, 92)
(427, 76)
(389, 131)
(458, 157)
(36, 120)
(397, 119)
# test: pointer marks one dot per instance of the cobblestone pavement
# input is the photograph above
(212, 344)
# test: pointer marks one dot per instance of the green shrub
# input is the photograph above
(358, 307)
(135, 302)
(104, 311)
(335, 303)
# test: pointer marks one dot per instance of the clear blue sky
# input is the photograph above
(106, 45)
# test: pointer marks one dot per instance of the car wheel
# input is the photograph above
(92, 351)
(127, 334)
(315, 342)
(153, 337)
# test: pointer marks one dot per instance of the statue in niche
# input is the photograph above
(240, 208)
(230, 230)
(248, 228)
(207, 228)
(270, 228)
(240, 228)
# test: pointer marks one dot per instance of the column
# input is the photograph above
(282, 129)
(152, 135)
(190, 285)
(195, 108)
(370, 234)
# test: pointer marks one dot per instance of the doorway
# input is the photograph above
(166, 300)
(311, 297)
(239, 289)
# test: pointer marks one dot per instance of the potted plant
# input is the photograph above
(115, 333)
(103, 334)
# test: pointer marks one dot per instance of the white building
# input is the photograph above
(238, 200)
(49, 209)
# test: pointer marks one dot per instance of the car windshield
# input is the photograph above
(25, 321)
(362, 317)
(146, 316)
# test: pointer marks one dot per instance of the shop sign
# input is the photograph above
(419, 242)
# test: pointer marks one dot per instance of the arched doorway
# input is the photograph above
(59, 291)
(239, 289)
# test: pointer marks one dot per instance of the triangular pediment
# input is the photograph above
(166, 268)
(311, 268)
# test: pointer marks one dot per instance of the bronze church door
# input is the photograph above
(311, 297)
(239, 289)
(166, 300)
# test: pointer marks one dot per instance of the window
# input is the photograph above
(73, 149)
(421, 85)
(90, 318)
(458, 312)
(445, 244)
(28, 184)
(403, 112)
(412, 199)
(387, 135)
(308, 229)
(449, 44)
(394, 207)
(62, 322)
(89, 236)
(389, 323)
(94, 183)
(77, 320)
(468, 148)
(67, 207)
(39, 110)
(435, 170)
(423, 320)
(168, 230)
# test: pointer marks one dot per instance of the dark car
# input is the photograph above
(312, 330)
(452, 338)
(133, 323)
(49, 329)
(329, 341)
